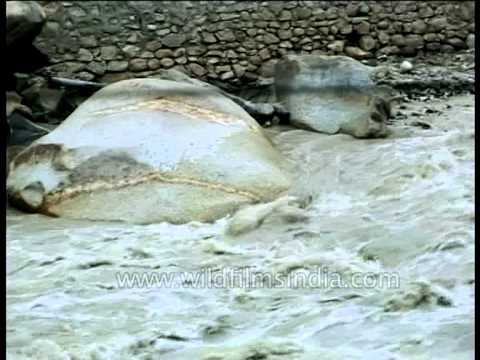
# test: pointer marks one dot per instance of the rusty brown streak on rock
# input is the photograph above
(56, 197)
(178, 107)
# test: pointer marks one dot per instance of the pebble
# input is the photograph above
(406, 66)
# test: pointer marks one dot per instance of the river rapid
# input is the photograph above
(396, 214)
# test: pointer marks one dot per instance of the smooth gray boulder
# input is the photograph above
(25, 20)
(147, 151)
(332, 94)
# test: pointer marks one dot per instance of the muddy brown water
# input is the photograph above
(396, 214)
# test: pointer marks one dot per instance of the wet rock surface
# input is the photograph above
(431, 77)
(331, 94)
(149, 150)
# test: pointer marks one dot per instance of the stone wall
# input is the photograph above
(239, 41)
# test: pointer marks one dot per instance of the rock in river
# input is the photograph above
(146, 151)
(331, 94)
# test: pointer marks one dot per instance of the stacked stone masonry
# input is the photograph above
(238, 42)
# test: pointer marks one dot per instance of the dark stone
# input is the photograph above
(174, 40)
(117, 66)
(137, 65)
(23, 131)
(24, 21)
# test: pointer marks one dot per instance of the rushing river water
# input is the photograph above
(396, 215)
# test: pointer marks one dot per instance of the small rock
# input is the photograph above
(352, 10)
(181, 60)
(284, 34)
(88, 41)
(270, 39)
(406, 66)
(174, 40)
(69, 67)
(213, 60)
(197, 70)
(97, 68)
(414, 41)
(117, 66)
(364, 9)
(363, 28)
(163, 53)
(209, 38)
(162, 32)
(302, 13)
(108, 52)
(383, 24)
(285, 15)
(383, 38)
(154, 64)
(180, 52)
(227, 75)
(49, 99)
(456, 42)
(132, 39)
(215, 53)
(426, 12)
(264, 54)
(85, 75)
(167, 62)
(367, 43)
(285, 44)
(231, 54)
(131, 50)
(84, 55)
(153, 45)
(222, 68)
(146, 55)
(471, 41)
(398, 40)
(226, 35)
(196, 50)
(337, 46)
(239, 70)
(356, 52)
(438, 24)
(430, 37)
(137, 65)
(298, 32)
(419, 27)
(346, 29)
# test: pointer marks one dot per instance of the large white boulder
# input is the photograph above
(149, 150)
